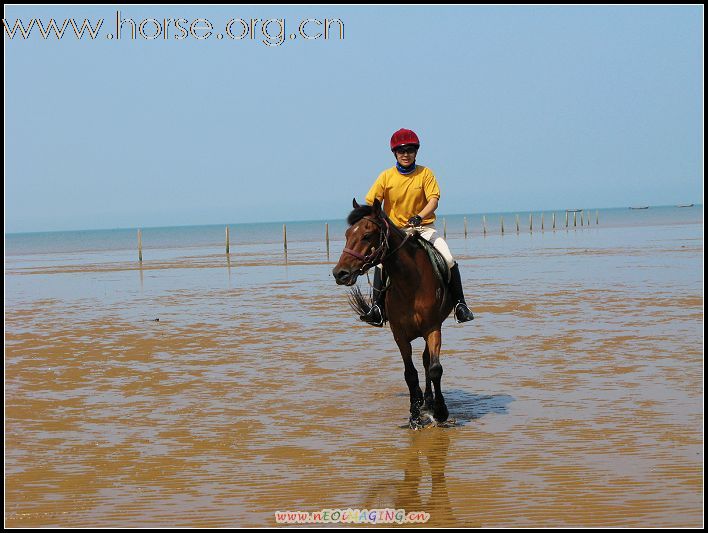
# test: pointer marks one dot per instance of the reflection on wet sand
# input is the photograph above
(577, 394)
(423, 462)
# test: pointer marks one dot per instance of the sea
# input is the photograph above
(121, 243)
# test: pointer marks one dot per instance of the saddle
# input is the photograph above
(442, 271)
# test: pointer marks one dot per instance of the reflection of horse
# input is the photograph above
(417, 491)
(424, 461)
(417, 301)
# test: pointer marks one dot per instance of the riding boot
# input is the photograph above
(462, 312)
(375, 316)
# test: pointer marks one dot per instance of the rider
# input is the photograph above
(410, 196)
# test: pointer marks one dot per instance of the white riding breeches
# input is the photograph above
(430, 234)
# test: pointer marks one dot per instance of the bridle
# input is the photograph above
(380, 254)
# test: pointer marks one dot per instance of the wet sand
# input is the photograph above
(577, 391)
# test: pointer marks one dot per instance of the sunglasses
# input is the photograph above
(406, 150)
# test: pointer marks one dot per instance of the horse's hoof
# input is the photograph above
(415, 423)
(421, 421)
(440, 413)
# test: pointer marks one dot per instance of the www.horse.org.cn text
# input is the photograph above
(270, 32)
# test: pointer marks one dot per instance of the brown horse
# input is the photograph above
(417, 301)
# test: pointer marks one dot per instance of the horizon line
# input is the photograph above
(438, 216)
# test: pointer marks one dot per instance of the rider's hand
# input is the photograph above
(415, 221)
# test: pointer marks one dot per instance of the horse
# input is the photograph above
(416, 300)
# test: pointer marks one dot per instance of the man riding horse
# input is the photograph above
(410, 196)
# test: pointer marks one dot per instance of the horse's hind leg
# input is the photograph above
(411, 375)
(435, 370)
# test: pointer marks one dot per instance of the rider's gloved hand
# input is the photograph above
(415, 221)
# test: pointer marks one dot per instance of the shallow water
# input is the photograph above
(577, 390)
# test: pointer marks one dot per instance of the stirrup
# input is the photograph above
(373, 317)
(466, 313)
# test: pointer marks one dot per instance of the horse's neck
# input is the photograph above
(401, 263)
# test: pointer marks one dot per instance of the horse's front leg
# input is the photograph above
(435, 370)
(411, 375)
(428, 395)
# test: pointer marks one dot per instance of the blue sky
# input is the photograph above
(518, 108)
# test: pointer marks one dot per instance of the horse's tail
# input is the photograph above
(358, 302)
(361, 304)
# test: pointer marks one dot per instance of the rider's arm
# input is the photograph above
(432, 194)
(429, 208)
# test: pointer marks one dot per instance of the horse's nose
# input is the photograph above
(340, 275)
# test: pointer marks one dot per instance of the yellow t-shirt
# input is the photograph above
(405, 196)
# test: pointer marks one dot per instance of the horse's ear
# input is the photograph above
(377, 207)
(355, 204)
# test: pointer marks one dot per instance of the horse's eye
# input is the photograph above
(367, 237)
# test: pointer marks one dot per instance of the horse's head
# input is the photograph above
(365, 242)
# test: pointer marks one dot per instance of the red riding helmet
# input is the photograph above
(403, 137)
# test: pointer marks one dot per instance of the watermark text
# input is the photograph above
(352, 516)
(271, 32)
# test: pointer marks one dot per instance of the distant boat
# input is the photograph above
(640, 207)
(573, 210)
(685, 205)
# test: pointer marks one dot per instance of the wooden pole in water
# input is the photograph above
(327, 235)
(140, 246)
(484, 224)
(517, 223)
(465, 227)
(285, 238)
(530, 222)
(444, 229)
(597, 217)
(542, 221)
(502, 225)
(554, 220)
(227, 239)
(566, 219)
(575, 219)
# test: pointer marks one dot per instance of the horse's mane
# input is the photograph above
(367, 210)
(358, 213)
